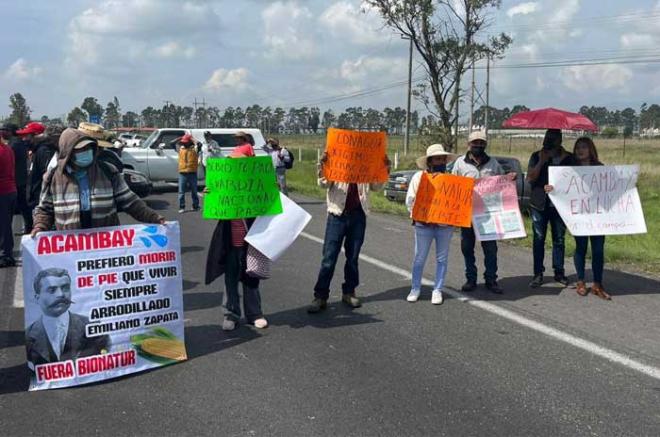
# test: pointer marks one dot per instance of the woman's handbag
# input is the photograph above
(257, 264)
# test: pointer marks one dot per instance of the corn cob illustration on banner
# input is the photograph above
(116, 292)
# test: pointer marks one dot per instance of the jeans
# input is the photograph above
(349, 229)
(7, 204)
(281, 181)
(597, 256)
(540, 220)
(23, 208)
(234, 267)
(188, 180)
(468, 241)
(424, 236)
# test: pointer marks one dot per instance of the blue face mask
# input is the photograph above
(83, 159)
(439, 168)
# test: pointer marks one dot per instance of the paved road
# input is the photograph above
(527, 363)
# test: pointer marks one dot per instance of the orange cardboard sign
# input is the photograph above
(355, 157)
(444, 199)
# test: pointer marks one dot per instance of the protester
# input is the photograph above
(188, 164)
(477, 164)
(282, 161)
(7, 198)
(228, 256)
(22, 145)
(585, 153)
(210, 148)
(98, 187)
(543, 211)
(348, 207)
(434, 162)
(45, 149)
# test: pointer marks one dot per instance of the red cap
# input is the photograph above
(32, 128)
(241, 151)
(187, 138)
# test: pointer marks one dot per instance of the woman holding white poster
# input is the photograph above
(435, 161)
(586, 154)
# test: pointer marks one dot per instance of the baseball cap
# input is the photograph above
(32, 128)
(477, 135)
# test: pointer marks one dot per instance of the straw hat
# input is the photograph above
(95, 131)
(434, 150)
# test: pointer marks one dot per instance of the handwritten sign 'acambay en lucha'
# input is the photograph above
(598, 200)
(241, 188)
(444, 199)
(102, 303)
(356, 157)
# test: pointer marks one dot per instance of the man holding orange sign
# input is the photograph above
(354, 163)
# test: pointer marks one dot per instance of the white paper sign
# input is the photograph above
(598, 200)
(272, 235)
(102, 303)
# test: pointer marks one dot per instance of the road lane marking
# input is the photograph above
(586, 345)
(18, 289)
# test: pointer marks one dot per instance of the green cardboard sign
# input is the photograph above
(241, 188)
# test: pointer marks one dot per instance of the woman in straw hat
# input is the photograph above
(433, 162)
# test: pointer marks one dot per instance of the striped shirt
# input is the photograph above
(238, 233)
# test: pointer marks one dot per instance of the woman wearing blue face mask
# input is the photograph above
(435, 161)
(98, 186)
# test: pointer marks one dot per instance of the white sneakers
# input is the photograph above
(413, 296)
(436, 297)
(261, 323)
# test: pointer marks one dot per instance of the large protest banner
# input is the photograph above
(241, 188)
(355, 157)
(102, 303)
(598, 200)
(444, 199)
(495, 211)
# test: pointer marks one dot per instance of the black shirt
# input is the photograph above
(539, 198)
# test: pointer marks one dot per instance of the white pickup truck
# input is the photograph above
(157, 157)
(131, 140)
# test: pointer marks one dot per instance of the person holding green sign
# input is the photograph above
(228, 256)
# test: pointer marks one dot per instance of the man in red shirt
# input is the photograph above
(7, 199)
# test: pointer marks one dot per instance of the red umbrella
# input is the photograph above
(550, 118)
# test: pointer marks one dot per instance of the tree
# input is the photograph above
(75, 117)
(112, 114)
(20, 111)
(314, 119)
(446, 34)
(329, 119)
(130, 119)
(92, 107)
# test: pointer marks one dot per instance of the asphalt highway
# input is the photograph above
(544, 362)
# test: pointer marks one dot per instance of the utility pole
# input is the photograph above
(487, 91)
(406, 139)
(472, 101)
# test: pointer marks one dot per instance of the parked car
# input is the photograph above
(397, 185)
(131, 140)
(137, 182)
(157, 157)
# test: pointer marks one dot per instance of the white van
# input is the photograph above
(157, 158)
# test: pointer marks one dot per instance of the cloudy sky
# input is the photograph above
(295, 52)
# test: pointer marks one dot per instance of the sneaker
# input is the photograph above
(561, 278)
(317, 306)
(436, 297)
(196, 208)
(228, 325)
(7, 262)
(351, 300)
(536, 282)
(469, 285)
(181, 211)
(260, 323)
(494, 287)
(414, 295)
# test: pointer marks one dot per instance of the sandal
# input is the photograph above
(597, 289)
(581, 288)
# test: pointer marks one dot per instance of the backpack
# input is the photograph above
(289, 165)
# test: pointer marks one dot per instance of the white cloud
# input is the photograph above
(173, 49)
(597, 77)
(287, 30)
(522, 9)
(364, 68)
(227, 80)
(21, 70)
(345, 20)
(637, 41)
